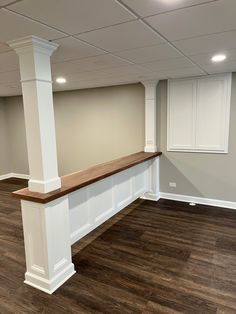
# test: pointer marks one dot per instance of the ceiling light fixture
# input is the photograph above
(61, 80)
(218, 58)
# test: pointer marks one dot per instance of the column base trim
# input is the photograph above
(49, 286)
(44, 186)
(151, 196)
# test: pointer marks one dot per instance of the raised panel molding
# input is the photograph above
(79, 214)
(140, 179)
(123, 189)
(89, 207)
(198, 114)
(181, 112)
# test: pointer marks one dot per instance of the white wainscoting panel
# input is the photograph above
(89, 207)
(140, 178)
(101, 200)
(123, 189)
(80, 220)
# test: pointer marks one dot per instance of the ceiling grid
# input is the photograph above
(110, 42)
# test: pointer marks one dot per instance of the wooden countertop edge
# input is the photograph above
(25, 194)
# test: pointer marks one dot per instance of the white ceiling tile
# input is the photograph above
(182, 72)
(8, 61)
(10, 77)
(88, 64)
(139, 53)
(124, 36)
(85, 76)
(152, 7)
(5, 2)
(151, 76)
(150, 53)
(205, 58)
(213, 17)
(111, 82)
(4, 48)
(84, 85)
(71, 48)
(14, 26)
(210, 43)
(227, 67)
(10, 90)
(169, 64)
(73, 86)
(126, 70)
(74, 16)
(204, 61)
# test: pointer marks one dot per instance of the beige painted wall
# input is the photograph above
(5, 166)
(92, 126)
(101, 124)
(197, 174)
(98, 125)
(16, 135)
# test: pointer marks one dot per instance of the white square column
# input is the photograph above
(150, 116)
(151, 139)
(35, 69)
(46, 226)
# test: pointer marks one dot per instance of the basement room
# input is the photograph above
(117, 160)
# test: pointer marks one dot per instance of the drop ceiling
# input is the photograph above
(110, 42)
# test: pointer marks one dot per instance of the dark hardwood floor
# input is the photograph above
(164, 257)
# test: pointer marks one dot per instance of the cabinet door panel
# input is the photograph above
(181, 111)
(211, 113)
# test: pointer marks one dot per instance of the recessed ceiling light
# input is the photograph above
(218, 58)
(169, 2)
(61, 80)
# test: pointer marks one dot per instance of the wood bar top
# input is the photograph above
(77, 180)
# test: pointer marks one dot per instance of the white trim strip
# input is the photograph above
(20, 176)
(5, 176)
(198, 200)
(36, 80)
(14, 175)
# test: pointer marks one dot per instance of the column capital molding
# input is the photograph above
(150, 115)
(33, 43)
(150, 83)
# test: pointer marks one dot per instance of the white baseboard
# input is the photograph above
(5, 176)
(20, 176)
(151, 196)
(14, 175)
(198, 200)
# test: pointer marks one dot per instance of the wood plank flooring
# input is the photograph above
(164, 257)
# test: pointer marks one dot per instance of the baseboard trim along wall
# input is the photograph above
(14, 175)
(198, 200)
(5, 176)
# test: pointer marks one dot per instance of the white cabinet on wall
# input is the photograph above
(198, 114)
